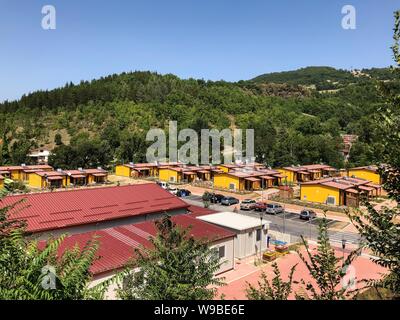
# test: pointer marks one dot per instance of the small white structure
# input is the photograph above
(40, 156)
(251, 233)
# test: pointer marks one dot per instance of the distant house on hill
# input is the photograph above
(39, 156)
(348, 140)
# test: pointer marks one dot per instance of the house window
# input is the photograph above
(250, 234)
(221, 252)
(331, 200)
(258, 235)
(171, 179)
(232, 186)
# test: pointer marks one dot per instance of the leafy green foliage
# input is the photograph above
(30, 271)
(381, 228)
(176, 267)
(292, 124)
(83, 152)
(326, 269)
(277, 289)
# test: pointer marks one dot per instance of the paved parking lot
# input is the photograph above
(290, 223)
(290, 216)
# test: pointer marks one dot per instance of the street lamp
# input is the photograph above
(284, 218)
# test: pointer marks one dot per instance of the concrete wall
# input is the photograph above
(246, 244)
(228, 262)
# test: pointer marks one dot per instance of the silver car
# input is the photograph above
(274, 208)
(247, 204)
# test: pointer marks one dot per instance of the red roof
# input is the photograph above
(200, 211)
(11, 168)
(50, 173)
(56, 210)
(116, 245)
(94, 171)
(39, 167)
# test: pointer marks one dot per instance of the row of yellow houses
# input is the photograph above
(44, 176)
(235, 177)
(241, 177)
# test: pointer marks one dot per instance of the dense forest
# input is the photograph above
(298, 116)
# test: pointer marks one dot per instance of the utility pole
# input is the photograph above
(261, 234)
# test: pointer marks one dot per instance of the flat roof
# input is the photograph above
(235, 221)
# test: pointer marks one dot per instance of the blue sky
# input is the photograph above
(210, 39)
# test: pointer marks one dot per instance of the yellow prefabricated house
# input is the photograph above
(367, 173)
(227, 167)
(12, 172)
(96, 175)
(136, 170)
(297, 174)
(340, 191)
(47, 179)
(169, 175)
(21, 173)
(228, 181)
(1, 181)
(177, 175)
(320, 194)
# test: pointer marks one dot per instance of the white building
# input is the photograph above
(40, 156)
(251, 233)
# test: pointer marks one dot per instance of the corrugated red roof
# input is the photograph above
(50, 173)
(200, 211)
(116, 245)
(11, 168)
(55, 210)
(93, 171)
(39, 167)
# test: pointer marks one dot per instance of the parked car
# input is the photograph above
(163, 185)
(274, 208)
(216, 198)
(307, 215)
(229, 201)
(260, 206)
(173, 190)
(183, 193)
(247, 204)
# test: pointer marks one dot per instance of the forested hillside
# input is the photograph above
(326, 78)
(106, 120)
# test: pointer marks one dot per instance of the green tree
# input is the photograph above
(58, 139)
(326, 269)
(177, 267)
(380, 228)
(277, 289)
(33, 271)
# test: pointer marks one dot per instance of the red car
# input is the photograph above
(260, 206)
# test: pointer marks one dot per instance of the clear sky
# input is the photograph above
(210, 39)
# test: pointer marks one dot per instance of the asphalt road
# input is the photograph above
(288, 222)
